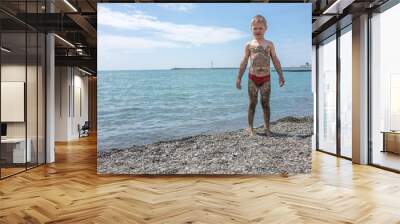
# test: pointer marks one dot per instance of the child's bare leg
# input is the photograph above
(253, 94)
(265, 94)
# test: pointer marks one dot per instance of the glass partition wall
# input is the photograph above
(334, 86)
(13, 88)
(22, 107)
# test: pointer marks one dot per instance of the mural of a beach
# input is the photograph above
(167, 101)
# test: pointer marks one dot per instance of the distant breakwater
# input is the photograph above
(285, 69)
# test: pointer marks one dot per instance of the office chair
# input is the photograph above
(84, 130)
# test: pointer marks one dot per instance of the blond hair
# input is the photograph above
(259, 19)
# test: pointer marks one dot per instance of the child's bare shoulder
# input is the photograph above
(269, 45)
(269, 42)
(248, 43)
(251, 42)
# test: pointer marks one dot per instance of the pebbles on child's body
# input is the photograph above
(287, 151)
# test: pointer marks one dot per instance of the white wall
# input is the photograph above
(62, 81)
(81, 89)
(16, 72)
(70, 83)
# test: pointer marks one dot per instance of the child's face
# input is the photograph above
(258, 30)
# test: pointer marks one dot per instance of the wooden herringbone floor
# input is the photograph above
(70, 191)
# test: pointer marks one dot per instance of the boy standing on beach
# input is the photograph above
(260, 51)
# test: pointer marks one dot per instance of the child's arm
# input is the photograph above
(277, 65)
(243, 65)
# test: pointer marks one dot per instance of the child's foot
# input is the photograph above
(250, 131)
(267, 132)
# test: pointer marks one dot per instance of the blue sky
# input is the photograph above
(167, 35)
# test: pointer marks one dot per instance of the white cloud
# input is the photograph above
(167, 31)
(181, 7)
(135, 20)
(115, 42)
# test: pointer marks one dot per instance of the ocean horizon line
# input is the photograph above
(285, 69)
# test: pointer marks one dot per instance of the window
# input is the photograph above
(385, 89)
(327, 95)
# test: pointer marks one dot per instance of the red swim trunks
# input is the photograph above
(259, 80)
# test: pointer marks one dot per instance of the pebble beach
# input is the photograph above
(286, 151)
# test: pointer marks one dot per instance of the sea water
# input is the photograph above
(139, 107)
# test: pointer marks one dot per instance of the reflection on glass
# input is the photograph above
(346, 93)
(327, 95)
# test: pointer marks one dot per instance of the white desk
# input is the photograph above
(18, 151)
